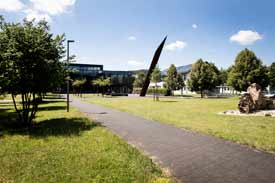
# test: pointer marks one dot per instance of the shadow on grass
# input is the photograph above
(40, 108)
(8, 121)
(61, 127)
(47, 128)
(5, 104)
(188, 96)
(3, 110)
(9, 125)
(51, 108)
(51, 101)
(167, 101)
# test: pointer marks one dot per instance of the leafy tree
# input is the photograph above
(246, 70)
(180, 83)
(139, 80)
(156, 78)
(78, 85)
(102, 83)
(223, 76)
(272, 75)
(172, 78)
(203, 76)
(29, 63)
(156, 75)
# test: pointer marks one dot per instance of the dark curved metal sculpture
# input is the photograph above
(151, 68)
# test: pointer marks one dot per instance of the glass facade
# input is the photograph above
(86, 69)
(118, 75)
(121, 81)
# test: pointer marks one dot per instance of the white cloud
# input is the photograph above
(176, 46)
(246, 37)
(11, 5)
(52, 7)
(33, 14)
(132, 38)
(135, 63)
(38, 9)
(194, 26)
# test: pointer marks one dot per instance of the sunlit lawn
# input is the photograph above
(67, 147)
(201, 115)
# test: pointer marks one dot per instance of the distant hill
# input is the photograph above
(180, 69)
(139, 70)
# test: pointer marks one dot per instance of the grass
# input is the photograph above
(68, 147)
(7, 97)
(200, 115)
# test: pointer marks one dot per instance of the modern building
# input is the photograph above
(121, 81)
(90, 70)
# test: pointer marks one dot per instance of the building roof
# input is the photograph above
(86, 65)
(117, 72)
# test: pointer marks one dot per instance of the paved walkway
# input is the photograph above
(191, 157)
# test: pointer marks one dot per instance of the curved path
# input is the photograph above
(191, 157)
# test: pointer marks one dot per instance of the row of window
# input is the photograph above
(86, 68)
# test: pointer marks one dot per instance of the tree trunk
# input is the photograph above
(157, 94)
(154, 94)
(97, 90)
(16, 109)
(34, 109)
(201, 94)
(29, 107)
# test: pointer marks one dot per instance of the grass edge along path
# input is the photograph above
(200, 115)
(68, 147)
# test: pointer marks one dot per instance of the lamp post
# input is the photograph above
(68, 80)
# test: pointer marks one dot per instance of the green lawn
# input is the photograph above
(7, 97)
(201, 115)
(67, 147)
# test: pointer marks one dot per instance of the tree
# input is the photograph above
(78, 85)
(172, 78)
(156, 78)
(139, 80)
(246, 70)
(223, 76)
(29, 63)
(102, 83)
(272, 75)
(203, 76)
(180, 83)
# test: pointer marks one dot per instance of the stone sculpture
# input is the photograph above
(254, 100)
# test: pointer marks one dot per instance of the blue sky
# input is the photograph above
(123, 34)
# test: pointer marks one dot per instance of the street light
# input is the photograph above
(68, 80)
